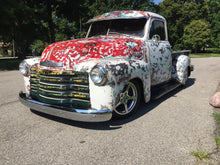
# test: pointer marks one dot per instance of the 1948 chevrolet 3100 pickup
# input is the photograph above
(125, 56)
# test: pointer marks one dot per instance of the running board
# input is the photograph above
(158, 91)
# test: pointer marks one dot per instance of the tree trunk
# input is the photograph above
(50, 21)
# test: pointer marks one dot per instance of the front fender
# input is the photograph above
(119, 72)
(31, 63)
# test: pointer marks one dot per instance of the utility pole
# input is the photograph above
(13, 47)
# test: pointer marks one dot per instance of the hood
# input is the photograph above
(72, 52)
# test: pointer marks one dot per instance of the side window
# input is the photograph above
(158, 28)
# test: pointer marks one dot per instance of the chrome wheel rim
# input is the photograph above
(127, 99)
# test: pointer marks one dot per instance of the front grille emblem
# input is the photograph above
(51, 63)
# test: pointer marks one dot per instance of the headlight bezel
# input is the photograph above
(23, 68)
(98, 75)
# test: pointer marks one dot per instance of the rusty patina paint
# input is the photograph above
(161, 62)
(123, 57)
(73, 52)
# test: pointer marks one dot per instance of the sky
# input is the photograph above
(157, 1)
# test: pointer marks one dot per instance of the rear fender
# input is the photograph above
(179, 66)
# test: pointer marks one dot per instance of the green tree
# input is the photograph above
(19, 23)
(97, 7)
(180, 13)
(61, 18)
(33, 23)
(29, 21)
(197, 35)
(38, 46)
(214, 20)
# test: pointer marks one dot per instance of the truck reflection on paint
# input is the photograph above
(108, 72)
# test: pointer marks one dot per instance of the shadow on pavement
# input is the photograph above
(118, 123)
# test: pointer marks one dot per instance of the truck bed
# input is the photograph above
(184, 52)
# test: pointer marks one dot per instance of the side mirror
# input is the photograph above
(156, 38)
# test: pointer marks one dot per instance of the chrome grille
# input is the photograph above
(67, 88)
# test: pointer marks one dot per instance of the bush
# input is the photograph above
(9, 64)
(213, 50)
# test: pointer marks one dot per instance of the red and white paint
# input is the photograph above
(123, 57)
(73, 52)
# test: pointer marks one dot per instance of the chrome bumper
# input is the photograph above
(65, 112)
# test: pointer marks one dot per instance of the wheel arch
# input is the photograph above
(144, 85)
(140, 83)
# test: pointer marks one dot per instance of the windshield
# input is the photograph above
(133, 27)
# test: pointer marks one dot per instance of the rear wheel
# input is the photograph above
(128, 100)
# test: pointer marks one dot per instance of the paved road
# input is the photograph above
(163, 132)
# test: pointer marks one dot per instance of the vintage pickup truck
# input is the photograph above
(125, 58)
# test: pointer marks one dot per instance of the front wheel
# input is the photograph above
(128, 100)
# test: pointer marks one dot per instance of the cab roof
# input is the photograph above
(125, 14)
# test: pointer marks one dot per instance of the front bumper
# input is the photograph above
(65, 112)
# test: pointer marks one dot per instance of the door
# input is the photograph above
(160, 52)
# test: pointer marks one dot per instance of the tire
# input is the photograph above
(128, 100)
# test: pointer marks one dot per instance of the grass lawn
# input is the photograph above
(203, 55)
(217, 139)
(217, 118)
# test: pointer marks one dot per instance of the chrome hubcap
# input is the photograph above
(127, 100)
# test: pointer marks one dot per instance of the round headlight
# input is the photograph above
(23, 68)
(98, 75)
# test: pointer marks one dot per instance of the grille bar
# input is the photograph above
(64, 94)
(62, 79)
(64, 87)
(77, 102)
(68, 88)
(60, 73)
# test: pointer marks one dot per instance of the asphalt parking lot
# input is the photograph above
(162, 132)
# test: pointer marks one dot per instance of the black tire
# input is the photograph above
(128, 100)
